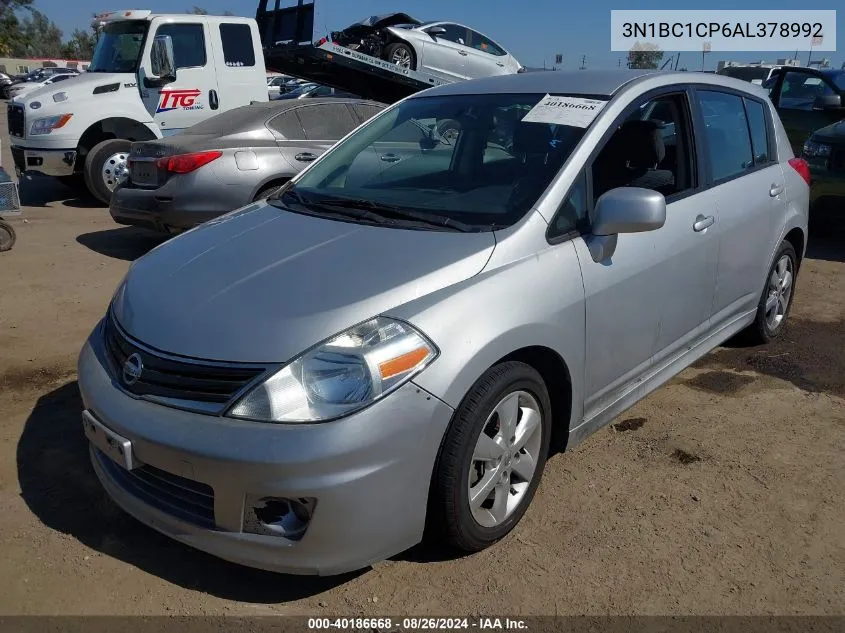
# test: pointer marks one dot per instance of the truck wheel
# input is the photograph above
(7, 237)
(105, 168)
(402, 55)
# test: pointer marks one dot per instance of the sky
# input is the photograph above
(532, 30)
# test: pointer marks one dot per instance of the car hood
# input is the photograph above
(84, 85)
(263, 284)
(383, 21)
(835, 132)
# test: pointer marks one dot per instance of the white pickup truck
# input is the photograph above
(151, 75)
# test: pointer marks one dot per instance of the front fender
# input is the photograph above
(537, 301)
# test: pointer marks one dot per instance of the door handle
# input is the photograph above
(464, 53)
(390, 158)
(702, 222)
(306, 157)
(213, 101)
(776, 190)
(500, 64)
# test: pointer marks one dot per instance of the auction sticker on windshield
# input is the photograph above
(574, 111)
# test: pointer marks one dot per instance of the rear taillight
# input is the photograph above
(802, 167)
(186, 163)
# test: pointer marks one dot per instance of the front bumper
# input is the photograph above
(369, 473)
(48, 162)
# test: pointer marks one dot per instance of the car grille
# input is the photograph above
(17, 125)
(186, 383)
(185, 499)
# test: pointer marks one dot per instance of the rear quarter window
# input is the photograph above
(238, 50)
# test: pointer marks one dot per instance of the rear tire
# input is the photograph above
(510, 406)
(776, 301)
(105, 168)
(402, 55)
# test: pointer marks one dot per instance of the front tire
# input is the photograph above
(492, 458)
(105, 168)
(402, 55)
(776, 301)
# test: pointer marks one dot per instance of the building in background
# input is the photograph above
(23, 65)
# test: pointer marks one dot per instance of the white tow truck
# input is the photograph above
(151, 76)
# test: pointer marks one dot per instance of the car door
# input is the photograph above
(485, 57)
(748, 186)
(794, 94)
(306, 132)
(649, 303)
(193, 96)
(445, 55)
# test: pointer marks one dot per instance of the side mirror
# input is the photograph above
(624, 210)
(434, 31)
(828, 102)
(162, 62)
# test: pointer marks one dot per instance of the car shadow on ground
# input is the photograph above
(126, 243)
(59, 486)
(827, 233)
(38, 191)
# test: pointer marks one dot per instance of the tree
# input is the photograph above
(644, 56)
(80, 45)
(41, 36)
(10, 27)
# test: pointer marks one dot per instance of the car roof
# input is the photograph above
(598, 83)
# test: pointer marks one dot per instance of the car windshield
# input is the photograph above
(463, 159)
(119, 47)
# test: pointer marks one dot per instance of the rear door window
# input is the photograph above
(288, 125)
(727, 134)
(366, 111)
(756, 113)
(326, 122)
(238, 50)
(484, 44)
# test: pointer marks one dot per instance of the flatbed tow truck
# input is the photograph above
(289, 48)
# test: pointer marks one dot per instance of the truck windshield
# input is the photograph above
(119, 47)
(467, 159)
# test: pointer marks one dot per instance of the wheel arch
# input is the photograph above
(111, 128)
(271, 181)
(798, 240)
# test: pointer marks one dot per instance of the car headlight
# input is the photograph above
(813, 149)
(48, 124)
(341, 376)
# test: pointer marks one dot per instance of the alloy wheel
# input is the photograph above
(505, 458)
(779, 292)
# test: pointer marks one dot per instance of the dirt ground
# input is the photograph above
(722, 493)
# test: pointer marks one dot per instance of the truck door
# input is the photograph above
(193, 97)
(240, 69)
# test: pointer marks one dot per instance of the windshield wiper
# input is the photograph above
(321, 208)
(391, 211)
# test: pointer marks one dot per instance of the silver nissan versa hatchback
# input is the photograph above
(395, 342)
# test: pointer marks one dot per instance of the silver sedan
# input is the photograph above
(178, 182)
